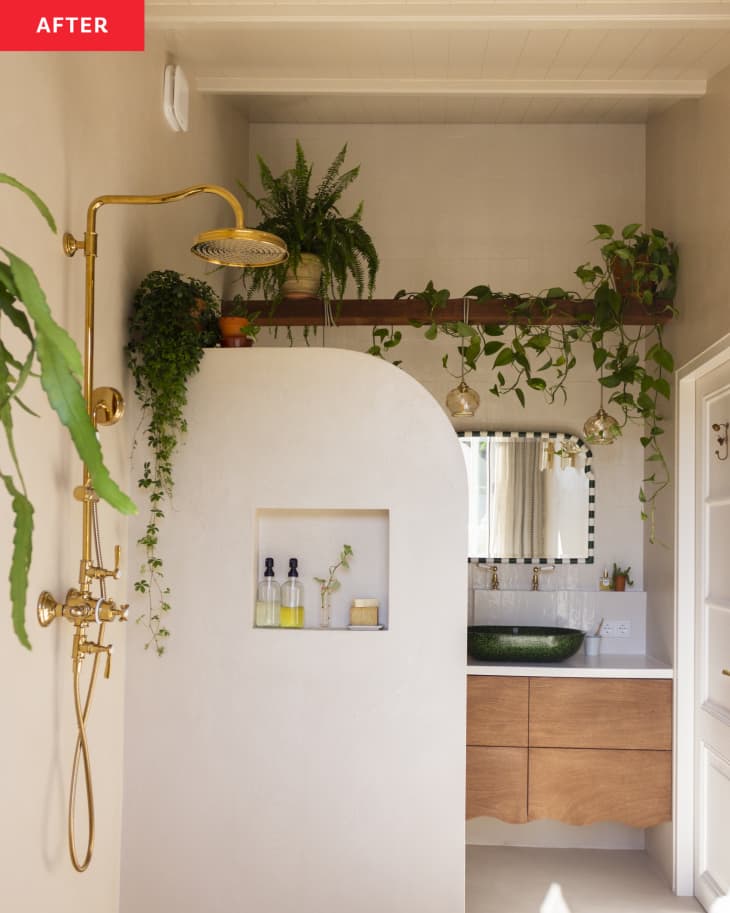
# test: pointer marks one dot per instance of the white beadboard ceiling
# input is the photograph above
(448, 61)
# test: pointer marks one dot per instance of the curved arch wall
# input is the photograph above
(279, 770)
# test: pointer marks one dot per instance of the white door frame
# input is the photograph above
(684, 640)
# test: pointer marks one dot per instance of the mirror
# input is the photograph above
(531, 497)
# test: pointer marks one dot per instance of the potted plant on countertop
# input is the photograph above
(621, 578)
(172, 318)
(238, 327)
(325, 246)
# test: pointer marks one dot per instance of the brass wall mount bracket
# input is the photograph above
(71, 244)
(107, 404)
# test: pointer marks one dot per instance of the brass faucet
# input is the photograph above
(536, 571)
(495, 576)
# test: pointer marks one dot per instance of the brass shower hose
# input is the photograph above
(82, 747)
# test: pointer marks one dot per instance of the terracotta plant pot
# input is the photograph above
(623, 280)
(304, 283)
(619, 583)
(231, 335)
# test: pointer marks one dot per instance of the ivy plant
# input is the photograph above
(172, 318)
(529, 352)
(30, 338)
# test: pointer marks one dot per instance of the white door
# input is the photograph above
(712, 638)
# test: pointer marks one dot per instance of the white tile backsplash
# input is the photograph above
(566, 609)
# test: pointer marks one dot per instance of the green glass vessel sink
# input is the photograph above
(520, 643)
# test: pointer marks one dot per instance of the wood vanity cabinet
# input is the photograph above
(577, 750)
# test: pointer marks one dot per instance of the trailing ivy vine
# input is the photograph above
(24, 305)
(172, 319)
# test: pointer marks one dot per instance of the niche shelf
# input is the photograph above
(297, 312)
(315, 537)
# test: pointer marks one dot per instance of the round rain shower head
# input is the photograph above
(240, 247)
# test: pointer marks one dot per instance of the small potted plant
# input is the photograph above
(637, 264)
(620, 578)
(331, 584)
(326, 248)
(238, 327)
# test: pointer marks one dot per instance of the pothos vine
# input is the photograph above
(530, 352)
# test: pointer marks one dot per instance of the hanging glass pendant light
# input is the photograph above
(462, 401)
(601, 428)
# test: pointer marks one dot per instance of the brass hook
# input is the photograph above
(722, 440)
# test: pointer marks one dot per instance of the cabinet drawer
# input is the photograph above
(496, 783)
(496, 710)
(581, 786)
(600, 713)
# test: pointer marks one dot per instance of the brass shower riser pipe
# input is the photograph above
(90, 248)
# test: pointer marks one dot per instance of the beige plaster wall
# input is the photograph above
(74, 127)
(687, 195)
(511, 206)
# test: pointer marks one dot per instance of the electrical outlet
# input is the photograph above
(616, 629)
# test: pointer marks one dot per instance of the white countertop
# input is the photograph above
(606, 665)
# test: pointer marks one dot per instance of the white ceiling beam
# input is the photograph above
(534, 15)
(252, 85)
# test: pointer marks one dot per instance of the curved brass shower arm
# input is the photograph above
(88, 245)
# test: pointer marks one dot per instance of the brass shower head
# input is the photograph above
(240, 247)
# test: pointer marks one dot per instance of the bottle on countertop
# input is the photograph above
(268, 599)
(605, 581)
(292, 603)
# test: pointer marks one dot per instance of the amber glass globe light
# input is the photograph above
(462, 401)
(601, 428)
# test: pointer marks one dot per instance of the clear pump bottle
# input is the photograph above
(292, 603)
(268, 599)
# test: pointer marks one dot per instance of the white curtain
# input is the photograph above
(516, 523)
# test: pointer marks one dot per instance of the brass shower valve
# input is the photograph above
(83, 647)
(79, 609)
(89, 571)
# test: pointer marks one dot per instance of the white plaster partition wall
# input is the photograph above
(278, 770)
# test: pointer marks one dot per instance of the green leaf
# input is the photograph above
(661, 385)
(463, 329)
(663, 358)
(505, 357)
(492, 329)
(630, 230)
(491, 347)
(604, 232)
(33, 197)
(64, 394)
(432, 332)
(21, 557)
(520, 396)
(536, 383)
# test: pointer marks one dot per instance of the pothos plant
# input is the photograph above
(30, 337)
(530, 352)
(172, 317)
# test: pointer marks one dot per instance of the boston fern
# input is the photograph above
(24, 305)
(310, 222)
(171, 320)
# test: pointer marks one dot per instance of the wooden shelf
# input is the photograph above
(297, 312)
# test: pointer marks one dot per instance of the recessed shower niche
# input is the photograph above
(316, 538)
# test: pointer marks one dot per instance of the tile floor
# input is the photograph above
(501, 879)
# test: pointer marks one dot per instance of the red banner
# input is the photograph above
(72, 25)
